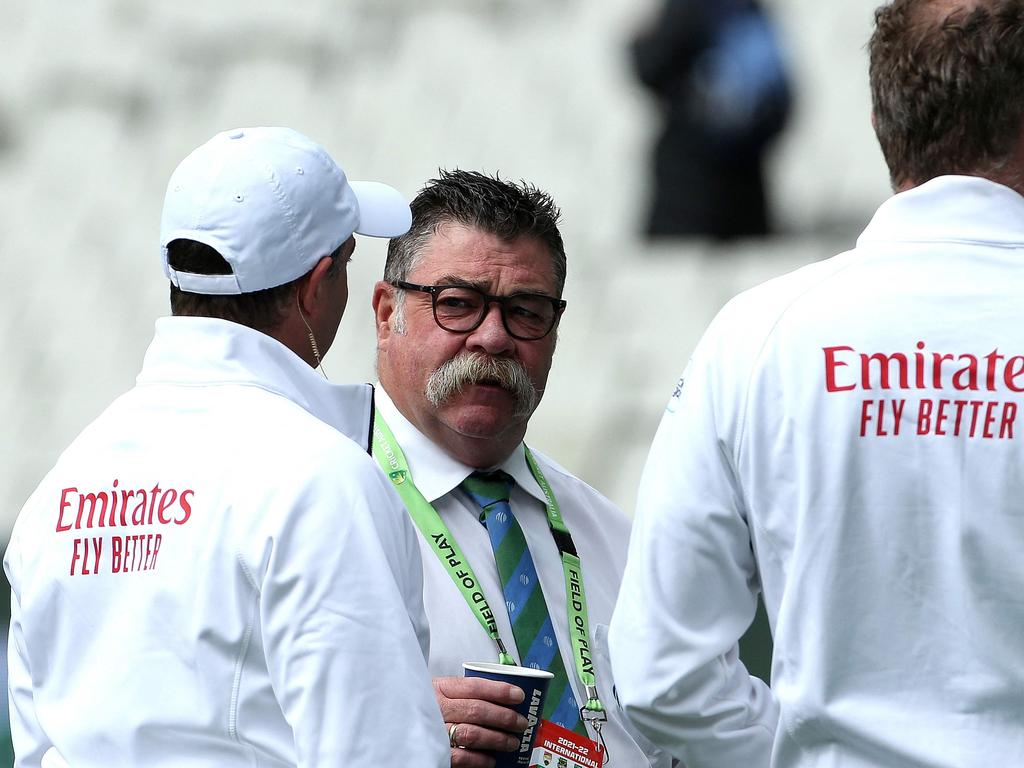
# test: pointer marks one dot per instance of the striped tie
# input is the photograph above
(527, 611)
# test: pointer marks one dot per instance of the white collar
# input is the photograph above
(950, 208)
(203, 350)
(434, 472)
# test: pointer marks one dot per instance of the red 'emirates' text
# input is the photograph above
(958, 376)
(113, 508)
(847, 369)
(121, 507)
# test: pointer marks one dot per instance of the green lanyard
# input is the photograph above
(395, 466)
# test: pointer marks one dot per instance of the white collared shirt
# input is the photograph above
(850, 438)
(213, 575)
(599, 530)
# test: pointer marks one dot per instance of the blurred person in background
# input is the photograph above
(467, 319)
(718, 74)
(848, 439)
(215, 572)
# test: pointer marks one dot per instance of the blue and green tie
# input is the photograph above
(527, 611)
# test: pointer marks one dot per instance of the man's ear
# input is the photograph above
(383, 310)
(313, 288)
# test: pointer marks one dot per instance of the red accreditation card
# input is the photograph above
(558, 747)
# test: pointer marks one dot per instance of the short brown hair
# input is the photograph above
(263, 311)
(947, 86)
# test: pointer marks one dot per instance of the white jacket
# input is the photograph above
(847, 438)
(213, 575)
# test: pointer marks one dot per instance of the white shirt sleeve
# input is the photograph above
(341, 613)
(30, 741)
(690, 587)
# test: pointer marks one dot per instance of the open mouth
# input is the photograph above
(489, 383)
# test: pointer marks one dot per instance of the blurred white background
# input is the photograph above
(99, 100)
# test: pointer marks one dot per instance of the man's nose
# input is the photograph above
(491, 336)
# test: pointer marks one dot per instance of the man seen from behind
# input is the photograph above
(215, 572)
(846, 440)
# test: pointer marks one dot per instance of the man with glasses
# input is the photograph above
(514, 547)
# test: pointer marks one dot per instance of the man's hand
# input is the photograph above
(479, 710)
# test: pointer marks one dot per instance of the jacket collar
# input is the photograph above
(950, 208)
(206, 351)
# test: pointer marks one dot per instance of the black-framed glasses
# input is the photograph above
(462, 308)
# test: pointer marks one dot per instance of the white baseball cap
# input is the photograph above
(272, 202)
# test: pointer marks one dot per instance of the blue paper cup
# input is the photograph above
(534, 683)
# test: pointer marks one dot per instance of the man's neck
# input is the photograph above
(479, 452)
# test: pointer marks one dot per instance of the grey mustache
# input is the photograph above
(456, 374)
